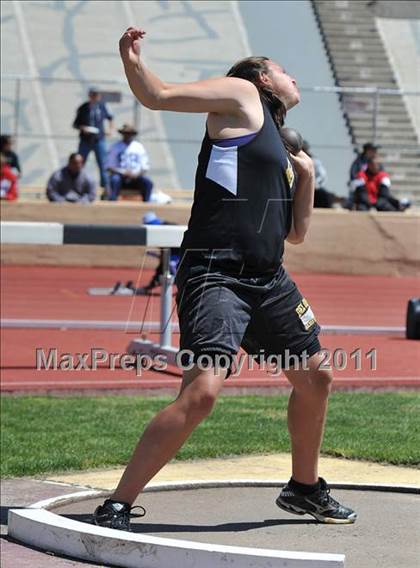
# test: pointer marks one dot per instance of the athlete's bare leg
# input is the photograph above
(169, 429)
(306, 417)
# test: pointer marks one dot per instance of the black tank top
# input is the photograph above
(242, 209)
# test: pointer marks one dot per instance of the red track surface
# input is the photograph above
(61, 293)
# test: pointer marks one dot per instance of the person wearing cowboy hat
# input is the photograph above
(127, 162)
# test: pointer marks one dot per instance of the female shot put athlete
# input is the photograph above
(250, 196)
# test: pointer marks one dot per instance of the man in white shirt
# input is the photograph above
(127, 162)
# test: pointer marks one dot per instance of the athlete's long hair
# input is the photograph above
(249, 69)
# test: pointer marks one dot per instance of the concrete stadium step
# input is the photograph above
(354, 7)
(353, 31)
(403, 159)
(360, 75)
(400, 157)
(341, 40)
(402, 149)
(407, 183)
(368, 37)
(409, 170)
(352, 58)
(387, 113)
(363, 25)
(340, 45)
(387, 107)
(334, 16)
(410, 177)
(397, 126)
(349, 61)
(359, 111)
(365, 116)
(396, 134)
(401, 189)
(390, 123)
(334, 21)
(399, 178)
(368, 83)
(356, 69)
(391, 103)
(358, 13)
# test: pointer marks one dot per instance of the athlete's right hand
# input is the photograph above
(130, 45)
(303, 163)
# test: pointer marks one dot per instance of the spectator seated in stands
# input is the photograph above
(6, 148)
(360, 163)
(71, 183)
(8, 180)
(372, 190)
(369, 151)
(322, 198)
(127, 162)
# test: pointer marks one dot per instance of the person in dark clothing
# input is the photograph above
(71, 183)
(250, 196)
(323, 198)
(12, 160)
(90, 121)
(369, 151)
(372, 190)
(360, 163)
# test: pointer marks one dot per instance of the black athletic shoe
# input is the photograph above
(319, 504)
(115, 515)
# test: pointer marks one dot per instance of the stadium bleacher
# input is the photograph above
(359, 58)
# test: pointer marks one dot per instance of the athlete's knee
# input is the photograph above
(317, 382)
(199, 393)
(201, 404)
(323, 381)
(314, 382)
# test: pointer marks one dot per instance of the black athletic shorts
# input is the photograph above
(218, 314)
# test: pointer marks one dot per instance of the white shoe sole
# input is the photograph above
(327, 520)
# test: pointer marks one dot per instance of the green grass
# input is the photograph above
(44, 435)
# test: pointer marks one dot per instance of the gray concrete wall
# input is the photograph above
(402, 42)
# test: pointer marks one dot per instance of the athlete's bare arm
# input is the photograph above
(303, 201)
(224, 95)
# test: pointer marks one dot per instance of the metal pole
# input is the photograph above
(17, 111)
(136, 115)
(375, 116)
(166, 280)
